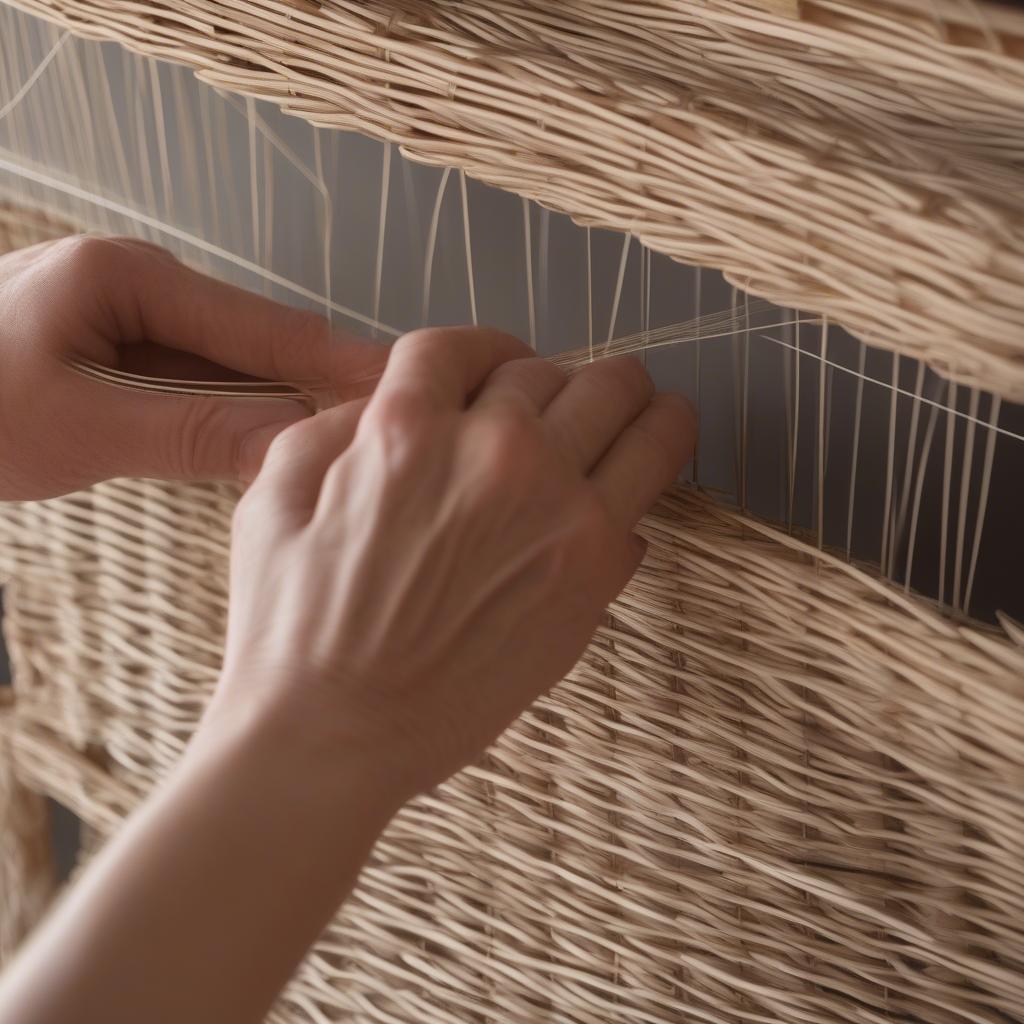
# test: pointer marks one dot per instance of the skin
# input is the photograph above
(410, 570)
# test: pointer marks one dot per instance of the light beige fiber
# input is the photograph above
(776, 788)
(773, 787)
(862, 160)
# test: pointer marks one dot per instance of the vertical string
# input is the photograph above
(206, 127)
(908, 467)
(327, 236)
(468, 237)
(187, 142)
(76, 94)
(428, 268)
(858, 411)
(986, 480)
(590, 295)
(268, 212)
(966, 465)
(160, 130)
(698, 285)
(528, 252)
(890, 456)
(922, 469)
(947, 478)
(138, 121)
(822, 444)
(236, 227)
(382, 227)
(796, 427)
(620, 281)
(544, 275)
(645, 299)
(735, 345)
(254, 187)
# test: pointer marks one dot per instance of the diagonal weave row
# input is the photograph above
(863, 160)
(773, 787)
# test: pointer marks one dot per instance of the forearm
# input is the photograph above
(203, 906)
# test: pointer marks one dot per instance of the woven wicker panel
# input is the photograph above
(863, 159)
(773, 786)
(26, 863)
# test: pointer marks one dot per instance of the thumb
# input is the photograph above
(172, 437)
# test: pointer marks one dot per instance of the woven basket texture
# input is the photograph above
(775, 788)
(862, 160)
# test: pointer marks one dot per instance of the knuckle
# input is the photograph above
(531, 369)
(622, 376)
(661, 452)
(508, 444)
(396, 413)
(83, 256)
(437, 338)
(90, 257)
(683, 410)
(455, 339)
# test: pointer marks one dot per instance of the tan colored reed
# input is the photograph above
(774, 786)
(26, 860)
(863, 160)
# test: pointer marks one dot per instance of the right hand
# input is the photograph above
(411, 572)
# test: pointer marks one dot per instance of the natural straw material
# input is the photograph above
(26, 861)
(774, 789)
(864, 160)
(21, 227)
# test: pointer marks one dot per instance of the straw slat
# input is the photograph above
(774, 786)
(864, 160)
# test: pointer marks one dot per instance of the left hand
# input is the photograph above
(126, 303)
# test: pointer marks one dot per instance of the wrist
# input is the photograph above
(300, 748)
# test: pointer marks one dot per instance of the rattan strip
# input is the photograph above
(26, 866)
(864, 161)
(774, 788)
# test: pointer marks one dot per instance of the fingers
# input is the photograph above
(594, 408)
(442, 367)
(176, 437)
(148, 295)
(646, 457)
(527, 384)
(296, 462)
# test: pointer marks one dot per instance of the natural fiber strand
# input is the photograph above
(909, 143)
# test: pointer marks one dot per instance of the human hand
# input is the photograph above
(410, 573)
(122, 302)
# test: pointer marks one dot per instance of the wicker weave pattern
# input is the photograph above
(775, 788)
(864, 161)
(772, 786)
(26, 868)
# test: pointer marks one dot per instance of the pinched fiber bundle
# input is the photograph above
(858, 158)
(777, 786)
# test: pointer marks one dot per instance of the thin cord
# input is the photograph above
(190, 239)
(13, 102)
